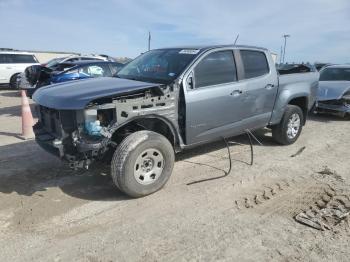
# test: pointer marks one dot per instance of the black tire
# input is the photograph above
(126, 155)
(279, 132)
(13, 81)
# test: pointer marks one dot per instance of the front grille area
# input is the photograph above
(50, 120)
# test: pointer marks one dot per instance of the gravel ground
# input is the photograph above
(50, 213)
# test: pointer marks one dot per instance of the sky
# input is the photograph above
(319, 29)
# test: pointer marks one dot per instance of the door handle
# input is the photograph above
(269, 86)
(8, 67)
(236, 92)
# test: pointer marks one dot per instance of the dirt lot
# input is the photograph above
(50, 213)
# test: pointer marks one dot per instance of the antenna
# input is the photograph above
(149, 40)
(236, 39)
(281, 55)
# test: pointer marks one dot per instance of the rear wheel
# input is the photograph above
(142, 163)
(289, 129)
(13, 81)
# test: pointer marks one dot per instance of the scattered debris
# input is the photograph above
(326, 171)
(330, 211)
(298, 152)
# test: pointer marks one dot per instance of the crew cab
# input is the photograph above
(12, 63)
(168, 100)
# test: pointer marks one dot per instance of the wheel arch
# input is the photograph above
(302, 102)
(155, 123)
(12, 76)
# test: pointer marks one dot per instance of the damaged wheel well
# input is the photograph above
(301, 102)
(155, 124)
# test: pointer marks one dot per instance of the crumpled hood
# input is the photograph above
(76, 95)
(332, 90)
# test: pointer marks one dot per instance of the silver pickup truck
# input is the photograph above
(167, 100)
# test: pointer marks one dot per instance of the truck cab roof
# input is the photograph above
(203, 48)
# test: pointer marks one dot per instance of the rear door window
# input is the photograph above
(87, 58)
(21, 59)
(3, 59)
(96, 70)
(254, 63)
(115, 67)
(72, 59)
(216, 68)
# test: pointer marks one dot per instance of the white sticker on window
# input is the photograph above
(189, 51)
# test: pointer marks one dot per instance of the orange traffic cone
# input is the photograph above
(27, 117)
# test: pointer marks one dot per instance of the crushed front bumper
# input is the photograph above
(47, 141)
(79, 154)
(333, 106)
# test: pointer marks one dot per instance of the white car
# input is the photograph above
(74, 58)
(13, 63)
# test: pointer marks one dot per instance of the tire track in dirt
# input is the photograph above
(289, 198)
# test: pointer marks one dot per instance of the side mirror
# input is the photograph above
(190, 82)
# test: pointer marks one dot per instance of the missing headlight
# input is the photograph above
(96, 120)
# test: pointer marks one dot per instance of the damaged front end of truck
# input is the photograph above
(99, 114)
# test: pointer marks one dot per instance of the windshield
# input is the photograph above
(335, 74)
(54, 62)
(159, 66)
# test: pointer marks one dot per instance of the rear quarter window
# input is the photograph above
(254, 63)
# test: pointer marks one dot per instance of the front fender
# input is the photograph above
(174, 130)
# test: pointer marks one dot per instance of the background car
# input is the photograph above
(319, 66)
(13, 63)
(334, 90)
(75, 58)
(38, 76)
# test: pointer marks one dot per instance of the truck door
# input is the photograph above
(212, 97)
(261, 86)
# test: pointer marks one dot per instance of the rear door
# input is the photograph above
(19, 62)
(8, 68)
(261, 86)
(213, 103)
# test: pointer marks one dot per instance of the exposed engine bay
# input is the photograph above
(83, 136)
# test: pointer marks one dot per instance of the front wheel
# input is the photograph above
(289, 129)
(142, 163)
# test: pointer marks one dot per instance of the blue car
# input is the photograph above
(38, 76)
